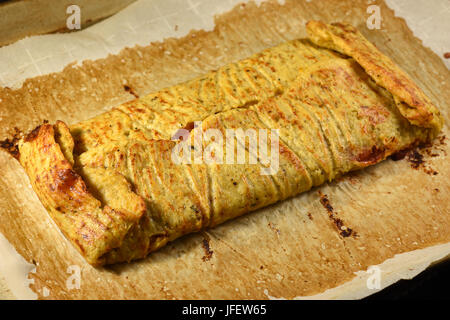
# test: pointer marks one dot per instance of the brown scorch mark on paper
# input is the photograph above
(417, 156)
(11, 144)
(438, 146)
(66, 180)
(131, 91)
(416, 160)
(207, 248)
(343, 230)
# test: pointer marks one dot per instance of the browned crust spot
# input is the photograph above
(34, 133)
(371, 156)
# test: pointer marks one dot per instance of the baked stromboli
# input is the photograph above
(113, 187)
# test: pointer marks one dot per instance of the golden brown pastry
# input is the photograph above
(113, 187)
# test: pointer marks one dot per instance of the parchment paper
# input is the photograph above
(285, 251)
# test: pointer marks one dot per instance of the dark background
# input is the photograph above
(433, 283)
